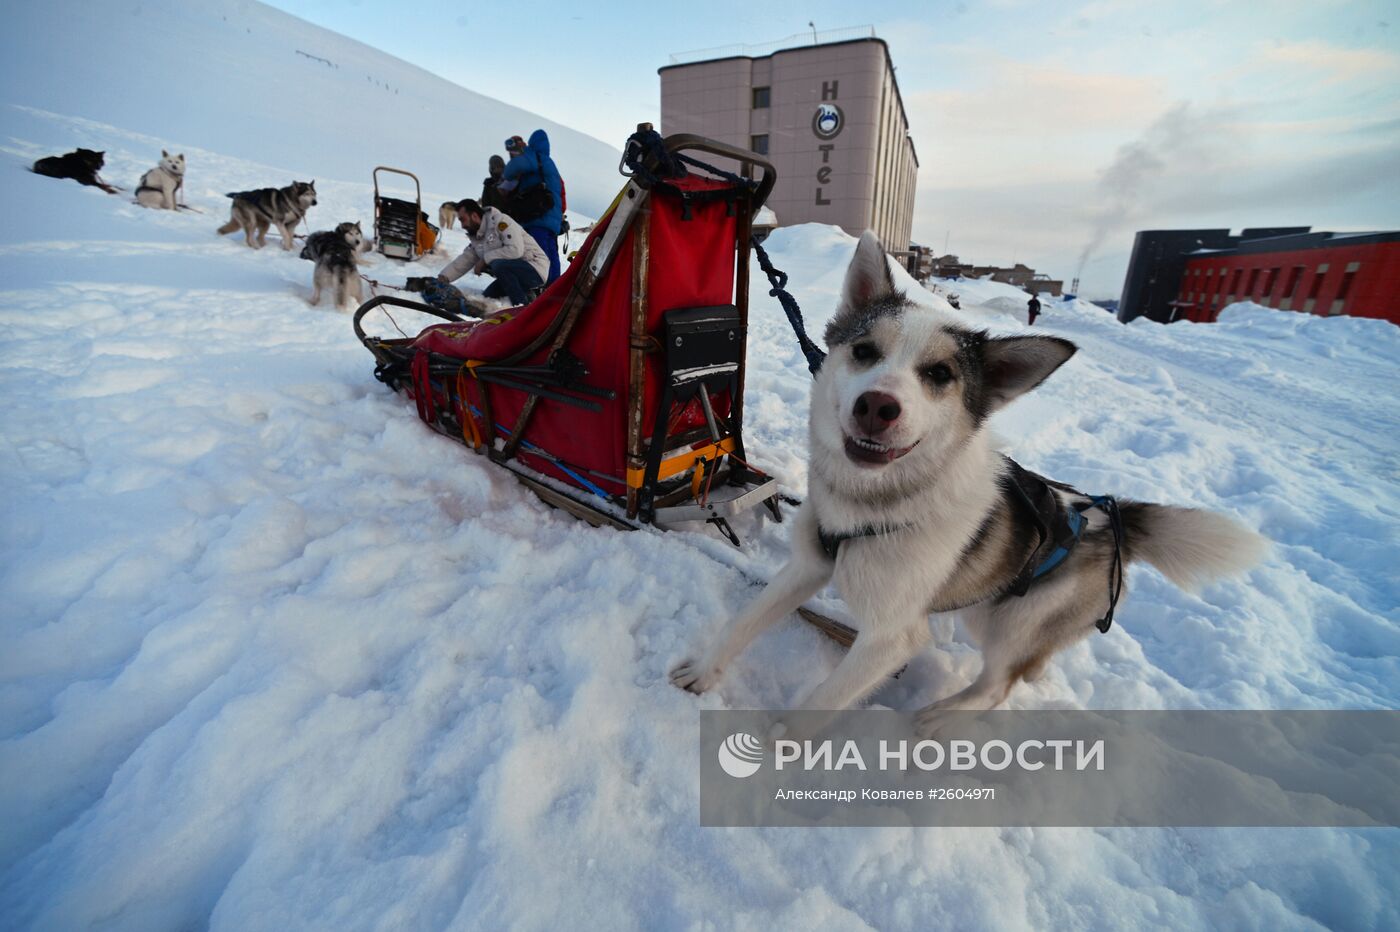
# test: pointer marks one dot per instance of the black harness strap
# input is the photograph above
(1058, 530)
(831, 543)
(1109, 505)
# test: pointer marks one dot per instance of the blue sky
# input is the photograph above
(1043, 130)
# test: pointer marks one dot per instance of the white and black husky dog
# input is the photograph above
(911, 510)
(336, 254)
(160, 187)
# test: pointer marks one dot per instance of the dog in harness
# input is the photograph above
(160, 187)
(911, 511)
(254, 212)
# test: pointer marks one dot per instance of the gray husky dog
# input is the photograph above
(336, 253)
(255, 211)
(160, 186)
(911, 511)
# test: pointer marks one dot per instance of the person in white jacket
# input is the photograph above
(499, 247)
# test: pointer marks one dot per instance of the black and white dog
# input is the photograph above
(336, 254)
(911, 511)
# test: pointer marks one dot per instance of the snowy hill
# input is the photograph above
(241, 79)
(276, 656)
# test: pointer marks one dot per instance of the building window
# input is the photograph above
(1270, 280)
(1253, 281)
(1316, 288)
(759, 144)
(1290, 288)
(1339, 303)
(1295, 276)
(760, 98)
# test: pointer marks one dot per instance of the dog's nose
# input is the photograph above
(876, 411)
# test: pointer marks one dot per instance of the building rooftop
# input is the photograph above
(798, 42)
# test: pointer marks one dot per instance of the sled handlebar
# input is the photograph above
(679, 142)
(417, 188)
(375, 302)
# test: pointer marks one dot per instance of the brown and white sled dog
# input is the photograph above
(160, 186)
(337, 265)
(911, 511)
(447, 214)
(255, 211)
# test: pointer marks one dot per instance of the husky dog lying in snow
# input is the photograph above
(255, 211)
(160, 185)
(82, 165)
(447, 214)
(336, 254)
(911, 511)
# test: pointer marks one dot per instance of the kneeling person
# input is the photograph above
(500, 247)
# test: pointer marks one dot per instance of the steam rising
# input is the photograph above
(1181, 139)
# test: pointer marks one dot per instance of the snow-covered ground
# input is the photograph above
(276, 656)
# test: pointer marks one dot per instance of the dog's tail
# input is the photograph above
(1189, 546)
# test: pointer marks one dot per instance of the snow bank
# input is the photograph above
(276, 656)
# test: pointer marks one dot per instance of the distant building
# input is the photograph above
(828, 116)
(1022, 276)
(1192, 274)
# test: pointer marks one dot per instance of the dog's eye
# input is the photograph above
(865, 352)
(938, 374)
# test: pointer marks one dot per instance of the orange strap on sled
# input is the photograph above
(471, 434)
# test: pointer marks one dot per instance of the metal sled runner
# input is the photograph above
(617, 394)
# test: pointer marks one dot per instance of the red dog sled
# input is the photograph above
(617, 394)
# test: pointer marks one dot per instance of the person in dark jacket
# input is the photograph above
(1032, 310)
(491, 193)
(528, 169)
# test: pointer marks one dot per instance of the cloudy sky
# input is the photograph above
(1044, 131)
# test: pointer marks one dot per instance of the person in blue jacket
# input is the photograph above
(528, 168)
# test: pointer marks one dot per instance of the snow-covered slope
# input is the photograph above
(241, 79)
(276, 656)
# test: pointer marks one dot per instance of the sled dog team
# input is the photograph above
(910, 508)
(336, 253)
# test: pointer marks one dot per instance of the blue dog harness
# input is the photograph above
(1059, 529)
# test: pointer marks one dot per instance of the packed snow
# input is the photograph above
(278, 656)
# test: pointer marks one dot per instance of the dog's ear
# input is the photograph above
(164, 154)
(868, 290)
(1012, 366)
(868, 276)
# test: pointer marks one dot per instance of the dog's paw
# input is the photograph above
(930, 720)
(693, 676)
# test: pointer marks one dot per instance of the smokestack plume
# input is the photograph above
(1180, 139)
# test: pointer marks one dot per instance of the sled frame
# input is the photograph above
(396, 220)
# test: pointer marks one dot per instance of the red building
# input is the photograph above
(1357, 274)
